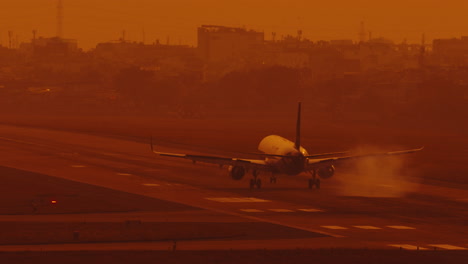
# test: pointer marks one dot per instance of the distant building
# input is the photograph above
(341, 42)
(50, 47)
(153, 57)
(219, 43)
(7, 57)
(451, 52)
(383, 54)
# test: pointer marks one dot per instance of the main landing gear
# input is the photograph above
(255, 182)
(314, 181)
(273, 178)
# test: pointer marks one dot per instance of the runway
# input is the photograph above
(219, 213)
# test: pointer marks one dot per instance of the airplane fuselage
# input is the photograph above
(289, 161)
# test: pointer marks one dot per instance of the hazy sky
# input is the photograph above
(93, 21)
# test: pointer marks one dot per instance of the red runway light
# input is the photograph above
(53, 201)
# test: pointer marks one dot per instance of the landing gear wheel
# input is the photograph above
(314, 182)
(252, 183)
(259, 184)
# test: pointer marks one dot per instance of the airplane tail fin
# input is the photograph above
(297, 144)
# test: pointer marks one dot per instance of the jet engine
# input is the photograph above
(326, 172)
(236, 172)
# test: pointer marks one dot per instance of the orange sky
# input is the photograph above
(93, 21)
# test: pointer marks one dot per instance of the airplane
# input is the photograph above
(282, 156)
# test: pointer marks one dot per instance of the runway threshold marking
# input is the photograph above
(368, 227)
(335, 227)
(237, 200)
(401, 227)
(310, 210)
(448, 247)
(409, 247)
(252, 210)
(281, 210)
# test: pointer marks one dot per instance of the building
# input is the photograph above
(50, 47)
(451, 52)
(153, 57)
(219, 43)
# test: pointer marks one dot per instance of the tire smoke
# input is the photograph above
(377, 176)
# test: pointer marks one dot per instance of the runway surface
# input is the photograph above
(213, 211)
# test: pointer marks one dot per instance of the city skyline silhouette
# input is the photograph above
(92, 22)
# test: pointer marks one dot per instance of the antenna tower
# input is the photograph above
(10, 39)
(362, 33)
(60, 19)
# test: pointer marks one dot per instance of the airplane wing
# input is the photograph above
(222, 161)
(317, 163)
(286, 156)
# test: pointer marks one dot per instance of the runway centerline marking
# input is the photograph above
(447, 246)
(252, 210)
(401, 227)
(237, 200)
(281, 210)
(368, 227)
(124, 174)
(78, 166)
(151, 184)
(335, 227)
(409, 247)
(310, 210)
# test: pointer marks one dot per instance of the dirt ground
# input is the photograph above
(20, 196)
(255, 256)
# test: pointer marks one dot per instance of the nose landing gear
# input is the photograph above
(314, 181)
(273, 178)
(255, 182)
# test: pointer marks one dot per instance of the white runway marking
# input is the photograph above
(237, 200)
(252, 210)
(281, 210)
(401, 227)
(368, 227)
(124, 174)
(78, 166)
(310, 210)
(335, 227)
(151, 184)
(409, 247)
(449, 247)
